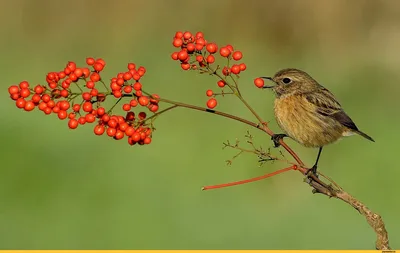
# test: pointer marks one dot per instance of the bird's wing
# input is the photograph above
(327, 105)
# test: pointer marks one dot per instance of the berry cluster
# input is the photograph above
(73, 93)
(198, 54)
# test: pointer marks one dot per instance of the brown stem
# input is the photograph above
(373, 219)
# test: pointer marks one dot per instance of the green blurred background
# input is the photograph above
(72, 190)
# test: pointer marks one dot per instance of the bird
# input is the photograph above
(308, 113)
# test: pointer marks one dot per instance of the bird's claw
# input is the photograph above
(276, 138)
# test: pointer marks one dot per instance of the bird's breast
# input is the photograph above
(301, 121)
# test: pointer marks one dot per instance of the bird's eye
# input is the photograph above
(286, 80)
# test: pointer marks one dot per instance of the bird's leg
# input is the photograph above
(313, 169)
(276, 138)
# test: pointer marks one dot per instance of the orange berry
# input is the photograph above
(38, 89)
(210, 59)
(90, 118)
(20, 102)
(185, 66)
(190, 47)
(111, 131)
(126, 107)
(235, 69)
(99, 130)
(212, 103)
(179, 34)
(25, 92)
(29, 106)
(87, 107)
(224, 52)
(13, 89)
(73, 123)
(212, 48)
(174, 56)
(62, 114)
(90, 61)
(259, 82)
(178, 42)
(199, 58)
(226, 71)
(95, 77)
(209, 93)
(237, 55)
(242, 66)
(147, 140)
(143, 100)
(137, 86)
(221, 83)
(183, 55)
(187, 35)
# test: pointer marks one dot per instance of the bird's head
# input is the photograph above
(291, 81)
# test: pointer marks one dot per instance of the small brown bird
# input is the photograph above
(307, 112)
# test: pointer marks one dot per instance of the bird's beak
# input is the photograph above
(268, 78)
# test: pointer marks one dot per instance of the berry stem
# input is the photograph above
(210, 187)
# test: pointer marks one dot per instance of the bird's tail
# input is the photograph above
(366, 136)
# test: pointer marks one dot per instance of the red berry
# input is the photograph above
(131, 66)
(86, 96)
(24, 85)
(183, 55)
(90, 61)
(20, 103)
(111, 131)
(187, 35)
(259, 82)
(142, 115)
(174, 56)
(199, 58)
(90, 118)
(177, 42)
(242, 66)
(87, 107)
(129, 131)
(210, 59)
(136, 136)
(212, 48)
(36, 98)
(99, 130)
(98, 67)
(224, 52)
(235, 69)
(143, 101)
(185, 66)
(29, 106)
(64, 93)
(95, 77)
(25, 92)
(190, 47)
(179, 34)
(126, 107)
(237, 55)
(62, 114)
(212, 103)
(221, 83)
(73, 123)
(137, 86)
(147, 140)
(209, 93)
(38, 89)
(226, 71)
(13, 89)
(90, 84)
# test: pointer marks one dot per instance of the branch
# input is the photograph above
(331, 190)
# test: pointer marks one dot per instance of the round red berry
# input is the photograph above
(99, 130)
(224, 52)
(212, 48)
(212, 103)
(209, 93)
(259, 82)
(73, 123)
(237, 55)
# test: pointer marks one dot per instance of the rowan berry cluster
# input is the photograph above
(196, 53)
(73, 94)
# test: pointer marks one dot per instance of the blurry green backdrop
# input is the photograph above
(73, 190)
